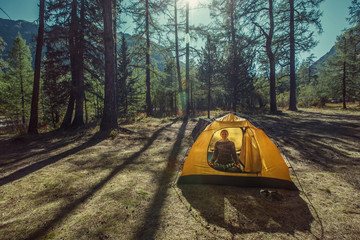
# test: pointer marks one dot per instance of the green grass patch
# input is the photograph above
(122, 185)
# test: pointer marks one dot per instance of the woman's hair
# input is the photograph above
(224, 130)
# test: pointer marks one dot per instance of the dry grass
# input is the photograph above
(82, 185)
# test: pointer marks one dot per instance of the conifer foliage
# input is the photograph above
(107, 57)
(17, 94)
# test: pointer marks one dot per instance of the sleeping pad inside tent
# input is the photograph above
(261, 162)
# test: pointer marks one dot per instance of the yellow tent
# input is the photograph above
(262, 163)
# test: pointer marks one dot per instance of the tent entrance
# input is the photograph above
(246, 147)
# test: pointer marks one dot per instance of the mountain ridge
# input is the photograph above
(10, 28)
(28, 30)
(322, 60)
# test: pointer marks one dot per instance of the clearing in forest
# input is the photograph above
(82, 185)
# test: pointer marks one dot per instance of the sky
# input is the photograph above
(333, 19)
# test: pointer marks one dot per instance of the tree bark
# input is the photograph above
(235, 66)
(270, 54)
(33, 124)
(292, 104)
(209, 97)
(109, 119)
(22, 98)
(74, 66)
(115, 50)
(78, 51)
(147, 80)
(178, 70)
(344, 77)
(66, 123)
(187, 68)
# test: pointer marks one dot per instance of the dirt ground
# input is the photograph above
(84, 185)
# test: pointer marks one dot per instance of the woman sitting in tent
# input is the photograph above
(224, 156)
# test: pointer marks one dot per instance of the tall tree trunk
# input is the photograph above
(73, 64)
(86, 112)
(187, 68)
(22, 97)
(209, 70)
(126, 102)
(344, 85)
(292, 104)
(148, 96)
(235, 66)
(115, 51)
(344, 77)
(178, 70)
(33, 124)
(273, 107)
(175, 103)
(97, 102)
(122, 74)
(191, 97)
(270, 54)
(66, 123)
(109, 119)
(171, 102)
(78, 52)
(209, 97)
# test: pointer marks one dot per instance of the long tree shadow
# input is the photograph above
(97, 138)
(66, 210)
(243, 210)
(151, 222)
(328, 144)
(22, 147)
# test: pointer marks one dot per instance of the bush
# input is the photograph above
(282, 99)
(308, 97)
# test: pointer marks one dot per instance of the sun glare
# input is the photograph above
(193, 3)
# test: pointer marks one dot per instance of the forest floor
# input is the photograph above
(83, 185)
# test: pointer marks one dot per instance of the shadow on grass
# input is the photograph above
(22, 147)
(243, 210)
(22, 152)
(66, 210)
(150, 225)
(327, 140)
(98, 137)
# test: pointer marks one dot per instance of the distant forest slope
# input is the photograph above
(322, 60)
(9, 29)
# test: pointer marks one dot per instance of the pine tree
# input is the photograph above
(144, 14)
(36, 87)
(171, 30)
(124, 72)
(341, 73)
(109, 119)
(233, 18)
(3, 84)
(168, 87)
(19, 77)
(177, 54)
(292, 103)
(2, 48)
(303, 13)
(269, 34)
(77, 42)
(354, 12)
(74, 32)
(55, 84)
(207, 69)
